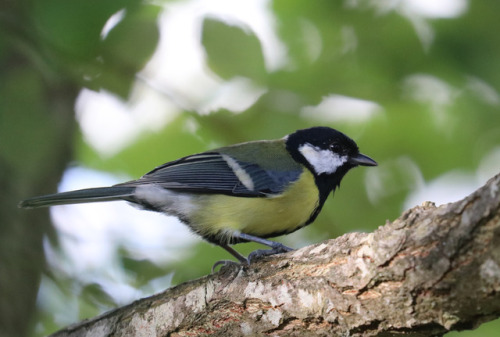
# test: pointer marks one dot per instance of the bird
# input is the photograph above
(245, 192)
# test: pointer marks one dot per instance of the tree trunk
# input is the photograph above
(433, 270)
(37, 126)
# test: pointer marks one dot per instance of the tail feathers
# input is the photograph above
(79, 196)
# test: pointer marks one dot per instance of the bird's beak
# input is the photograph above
(361, 159)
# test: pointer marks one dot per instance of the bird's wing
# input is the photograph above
(214, 172)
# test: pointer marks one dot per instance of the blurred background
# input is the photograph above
(94, 93)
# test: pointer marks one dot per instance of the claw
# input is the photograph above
(224, 263)
(257, 254)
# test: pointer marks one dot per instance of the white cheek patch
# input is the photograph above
(322, 161)
(242, 175)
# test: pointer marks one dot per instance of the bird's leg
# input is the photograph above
(243, 260)
(276, 247)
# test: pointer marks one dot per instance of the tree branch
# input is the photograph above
(432, 270)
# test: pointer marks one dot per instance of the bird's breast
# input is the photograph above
(264, 216)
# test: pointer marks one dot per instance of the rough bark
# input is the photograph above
(433, 270)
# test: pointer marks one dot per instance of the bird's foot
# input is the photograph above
(276, 248)
(224, 263)
(259, 253)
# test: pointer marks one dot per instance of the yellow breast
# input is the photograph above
(222, 214)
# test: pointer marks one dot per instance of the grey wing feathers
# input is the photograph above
(207, 172)
(210, 172)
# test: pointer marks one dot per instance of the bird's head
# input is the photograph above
(328, 153)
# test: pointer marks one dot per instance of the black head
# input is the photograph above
(328, 153)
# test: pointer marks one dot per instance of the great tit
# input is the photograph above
(239, 193)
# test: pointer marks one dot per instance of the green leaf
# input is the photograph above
(127, 48)
(233, 51)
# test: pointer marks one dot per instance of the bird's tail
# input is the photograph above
(80, 196)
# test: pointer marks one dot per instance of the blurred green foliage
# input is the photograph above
(233, 52)
(437, 93)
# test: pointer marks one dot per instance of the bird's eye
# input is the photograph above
(334, 147)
